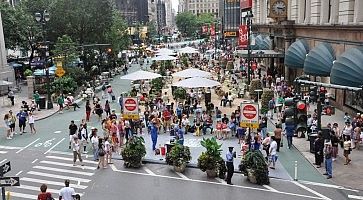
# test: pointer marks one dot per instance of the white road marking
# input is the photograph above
(182, 175)
(328, 186)
(17, 174)
(113, 167)
(71, 159)
(56, 132)
(270, 188)
(67, 165)
(216, 183)
(64, 170)
(3, 161)
(54, 146)
(67, 153)
(34, 180)
(221, 181)
(59, 176)
(24, 196)
(311, 190)
(9, 147)
(355, 197)
(35, 160)
(148, 171)
(3, 152)
(22, 149)
(28, 187)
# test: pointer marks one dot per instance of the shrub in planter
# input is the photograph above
(133, 152)
(178, 156)
(28, 72)
(63, 85)
(210, 160)
(255, 85)
(255, 167)
(267, 95)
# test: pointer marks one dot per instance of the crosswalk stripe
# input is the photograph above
(71, 159)
(59, 176)
(67, 165)
(3, 152)
(64, 170)
(67, 153)
(28, 187)
(34, 180)
(9, 147)
(24, 196)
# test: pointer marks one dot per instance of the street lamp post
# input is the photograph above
(249, 33)
(43, 18)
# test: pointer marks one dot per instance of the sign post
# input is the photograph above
(249, 118)
(130, 108)
(7, 181)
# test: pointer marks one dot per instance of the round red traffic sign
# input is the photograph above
(249, 111)
(130, 105)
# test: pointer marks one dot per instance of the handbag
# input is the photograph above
(101, 152)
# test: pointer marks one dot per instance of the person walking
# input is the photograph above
(230, 167)
(88, 110)
(22, 115)
(7, 126)
(31, 119)
(72, 131)
(328, 150)
(289, 131)
(44, 195)
(319, 150)
(12, 119)
(84, 137)
(272, 151)
(107, 108)
(108, 150)
(67, 193)
(60, 102)
(101, 154)
(94, 142)
(76, 148)
(278, 134)
(154, 135)
(36, 98)
(334, 143)
(347, 149)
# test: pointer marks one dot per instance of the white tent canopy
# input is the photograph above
(188, 50)
(5, 83)
(164, 58)
(140, 75)
(165, 51)
(197, 82)
(192, 72)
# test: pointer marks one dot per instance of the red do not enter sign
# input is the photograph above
(249, 111)
(130, 105)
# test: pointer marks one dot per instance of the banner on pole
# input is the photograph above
(243, 36)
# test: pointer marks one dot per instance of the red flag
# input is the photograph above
(246, 4)
(212, 31)
(205, 29)
(243, 36)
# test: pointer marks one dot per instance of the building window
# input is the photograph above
(354, 100)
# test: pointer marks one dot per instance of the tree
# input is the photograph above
(65, 48)
(118, 36)
(186, 23)
(151, 29)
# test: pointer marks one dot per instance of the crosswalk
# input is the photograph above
(52, 171)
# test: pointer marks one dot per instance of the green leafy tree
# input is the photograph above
(186, 23)
(63, 85)
(66, 49)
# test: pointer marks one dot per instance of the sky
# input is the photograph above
(175, 4)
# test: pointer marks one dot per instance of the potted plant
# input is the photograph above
(133, 152)
(210, 160)
(267, 95)
(255, 167)
(180, 94)
(255, 85)
(178, 156)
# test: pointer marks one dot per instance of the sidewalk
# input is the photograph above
(344, 175)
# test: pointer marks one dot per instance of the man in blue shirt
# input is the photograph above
(154, 135)
(289, 130)
(230, 167)
(22, 115)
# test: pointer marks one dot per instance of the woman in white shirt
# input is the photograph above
(31, 123)
(94, 141)
(76, 147)
(108, 149)
(84, 138)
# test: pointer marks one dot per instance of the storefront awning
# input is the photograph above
(266, 43)
(347, 70)
(319, 61)
(296, 54)
(261, 42)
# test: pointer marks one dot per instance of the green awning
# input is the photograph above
(348, 68)
(296, 54)
(266, 43)
(319, 61)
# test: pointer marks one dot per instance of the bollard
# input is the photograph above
(8, 195)
(295, 177)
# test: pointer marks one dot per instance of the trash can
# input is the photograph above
(42, 102)
(312, 138)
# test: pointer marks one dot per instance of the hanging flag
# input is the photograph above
(243, 36)
(204, 29)
(212, 31)
(246, 4)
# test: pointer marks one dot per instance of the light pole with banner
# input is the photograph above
(43, 18)
(249, 33)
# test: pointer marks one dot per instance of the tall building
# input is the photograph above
(181, 6)
(134, 10)
(168, 13)
(6, 72)
(152, 10)
(319, 38)
(230, 14)
(161, 16)
(200, 6)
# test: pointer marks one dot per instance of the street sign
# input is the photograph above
(130, 108)
(59, 71)
(9, 181)
(249, 116)
(5, 168)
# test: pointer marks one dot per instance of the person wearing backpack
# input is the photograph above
(83, 137)
(44, 195)
(101, 154)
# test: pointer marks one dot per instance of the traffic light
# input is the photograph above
(301, 118)
(289, 113)
(313, 93)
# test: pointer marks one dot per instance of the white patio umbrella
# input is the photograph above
(5, 83)
(188, 50)
(192, 72)
(164, 58)
(140, 75)
(164, 51)
(196, 82)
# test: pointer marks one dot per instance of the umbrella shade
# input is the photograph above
(5, 83)
(296, 54)
(164, 58)
(196, 82)
(347, 70)
(192, 72)
(188, 50)
(140, 75)
(319, 61)
(165, 51)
